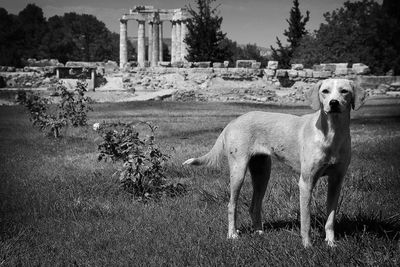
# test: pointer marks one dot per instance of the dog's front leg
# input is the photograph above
(335, 180)
(306, 184)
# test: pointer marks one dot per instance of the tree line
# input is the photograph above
(362, 31)
(71, 37)
(358, 32)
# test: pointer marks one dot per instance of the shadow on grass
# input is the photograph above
(388, 229)
(382, 228)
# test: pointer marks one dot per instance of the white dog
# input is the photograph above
(314, 145)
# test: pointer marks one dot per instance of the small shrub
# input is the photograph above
(142, 169)
(39, 116)
(72, 109)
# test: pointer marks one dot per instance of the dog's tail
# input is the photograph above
(213, 157)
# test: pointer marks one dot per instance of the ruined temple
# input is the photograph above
(154, 19)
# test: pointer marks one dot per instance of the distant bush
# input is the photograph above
(72, 109)
(143, 163)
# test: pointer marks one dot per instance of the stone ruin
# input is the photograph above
(154, 19)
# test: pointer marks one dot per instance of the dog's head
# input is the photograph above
(336, 95)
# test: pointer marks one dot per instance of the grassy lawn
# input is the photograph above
(59, 206)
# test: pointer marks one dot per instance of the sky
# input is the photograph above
(252, 21)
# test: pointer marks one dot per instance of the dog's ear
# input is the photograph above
(359, 95)
(313, 96)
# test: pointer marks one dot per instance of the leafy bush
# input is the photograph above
(142, 170)
(72, 109)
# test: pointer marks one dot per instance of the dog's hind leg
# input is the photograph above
(260, 170)
(238, 169)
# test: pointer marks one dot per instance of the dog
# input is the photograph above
(314, 145)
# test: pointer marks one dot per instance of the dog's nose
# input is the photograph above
(334, 103)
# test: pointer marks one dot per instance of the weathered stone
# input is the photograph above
(244, 63)
(292, 73)
(328, 67)
(341, 71)
(269, 72)
(281, 73)
(360, 68)
(273, 65)
(218, 65)
(322, 74)
(309, 73)
(302, 73)
(297, 66)
(203, 64)
(164, 64)
(395, 86)
(10, 69)
(226, 63)
(382, 89)
(177, 64)
(317, 67)
(81, 64)
(256, 65)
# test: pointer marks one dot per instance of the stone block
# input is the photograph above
(328, 67)
(164, 64)
(256, 65)
(297, 67)
(202, 64)
(177, 64)
(317, 67)
(269, 72)
(281, 73)
(341, 71)
(360, 68)
(244, 63)
(226, 63)
(218, 65)
(302, 73)
(292, 73)
(273, 65)
(322, 74)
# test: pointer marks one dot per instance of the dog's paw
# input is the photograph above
(259, 232)
(234, 235)
(331, 243)
(307, 243)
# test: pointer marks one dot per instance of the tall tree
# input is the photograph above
(10, 38)
(204, 37)
(297, 23)
(32, 25)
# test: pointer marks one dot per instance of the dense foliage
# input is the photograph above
(72, 37)
(71, 110)
(205, 38)
(143, 163)
(295, 32)
(362, 31)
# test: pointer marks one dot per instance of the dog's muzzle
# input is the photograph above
(334, 106)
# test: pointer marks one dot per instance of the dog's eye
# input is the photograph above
(344, 91)
(325, 91)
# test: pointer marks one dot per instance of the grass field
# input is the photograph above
(59, 206)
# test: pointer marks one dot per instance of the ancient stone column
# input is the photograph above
(173, 41)
(123, 45)
(178, 41)
(156, 43)
(141, 48)
(160, 36)
(184, 51)
(150, 43)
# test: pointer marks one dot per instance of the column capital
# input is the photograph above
(123, 20)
